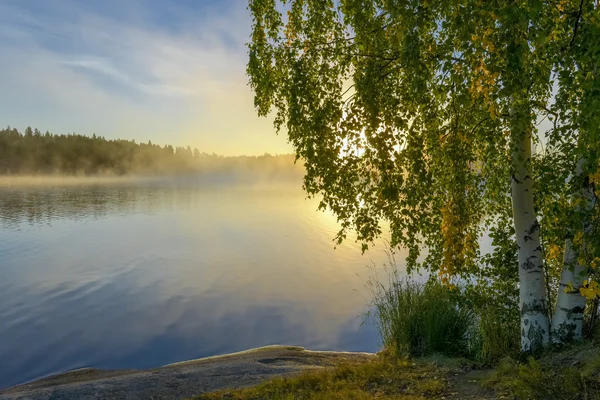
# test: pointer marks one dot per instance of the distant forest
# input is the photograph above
(36, 153)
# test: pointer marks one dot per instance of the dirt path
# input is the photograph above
(468, 385)
(181, 380)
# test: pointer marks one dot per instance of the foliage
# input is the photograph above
(419, 319)
(417, 112)
(498, 332)
(475, 321)
(35, 153)
(592, 321)
(401, 380)
(572, 374)
(493, 294)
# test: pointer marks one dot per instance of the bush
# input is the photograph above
(498, 333)
(531, 381)
(571, 374)
(419, 319)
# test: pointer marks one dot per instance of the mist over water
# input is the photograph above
(138, 273)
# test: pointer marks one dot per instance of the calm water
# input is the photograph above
(138, 275)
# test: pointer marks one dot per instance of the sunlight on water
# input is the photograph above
(138, 274)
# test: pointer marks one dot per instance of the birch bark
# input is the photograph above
(532, 291)
(567, 321)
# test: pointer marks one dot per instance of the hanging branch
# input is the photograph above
(577, 22)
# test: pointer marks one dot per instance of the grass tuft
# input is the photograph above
(419, 319)
(381, 378)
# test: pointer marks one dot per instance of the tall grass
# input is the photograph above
(498, 333)
(419, 319)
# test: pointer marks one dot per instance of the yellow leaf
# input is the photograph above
(569, 288)
(591, 291)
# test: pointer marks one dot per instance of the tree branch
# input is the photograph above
(577, 22)
(478, 124)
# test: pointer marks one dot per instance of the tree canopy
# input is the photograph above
(425, 114)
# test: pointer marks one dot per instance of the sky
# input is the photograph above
(172, 72)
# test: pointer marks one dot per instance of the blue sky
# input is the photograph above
(167, 71)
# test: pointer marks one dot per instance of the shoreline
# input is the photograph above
(182, 379)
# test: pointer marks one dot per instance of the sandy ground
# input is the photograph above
(181, 380)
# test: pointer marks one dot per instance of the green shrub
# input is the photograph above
(498, 331)
(420, 319)
(571, 374)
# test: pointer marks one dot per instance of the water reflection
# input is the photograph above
(42, 205)
(141, 275)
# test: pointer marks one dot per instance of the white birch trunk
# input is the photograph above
(535, 330)
(567, 321)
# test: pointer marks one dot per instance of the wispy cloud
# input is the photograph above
(165, 71)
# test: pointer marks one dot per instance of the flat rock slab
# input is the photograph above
(182, 380)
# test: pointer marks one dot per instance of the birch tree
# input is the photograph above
(423, 114)
(576, 115)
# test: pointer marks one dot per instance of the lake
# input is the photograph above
(138, 274)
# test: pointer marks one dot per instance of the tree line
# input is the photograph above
(35, 153)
